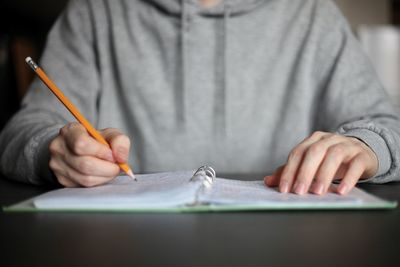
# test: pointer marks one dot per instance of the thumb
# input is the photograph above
(120, 144)
(274, 179)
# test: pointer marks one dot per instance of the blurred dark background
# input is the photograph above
(396, 12)
(23, 28)
(24, 25)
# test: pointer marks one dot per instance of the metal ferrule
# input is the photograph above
(31, 63)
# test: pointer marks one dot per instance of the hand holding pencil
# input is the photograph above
(80, 155)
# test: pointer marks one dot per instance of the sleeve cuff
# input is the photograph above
(42, 142)
(377, 144)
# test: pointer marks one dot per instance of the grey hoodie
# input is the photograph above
(236, 86)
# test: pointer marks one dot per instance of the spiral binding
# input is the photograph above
(205, 174)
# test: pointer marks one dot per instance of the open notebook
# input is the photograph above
(190, 191)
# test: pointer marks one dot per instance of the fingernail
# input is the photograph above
(284, 187)
(319, 188)
(343, 189)
(299, 188)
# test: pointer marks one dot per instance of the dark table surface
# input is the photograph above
(287, 238)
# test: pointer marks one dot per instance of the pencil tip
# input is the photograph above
(130, 173)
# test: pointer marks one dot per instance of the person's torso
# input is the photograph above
(236, 92)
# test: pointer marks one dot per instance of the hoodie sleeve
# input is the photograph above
(353, 101)
(69, 61)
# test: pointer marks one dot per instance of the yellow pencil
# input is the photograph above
(74, 111)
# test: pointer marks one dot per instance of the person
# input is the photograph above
(245, 86)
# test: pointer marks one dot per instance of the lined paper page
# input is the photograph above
(225, 191)
(174, 190)
(150, 191)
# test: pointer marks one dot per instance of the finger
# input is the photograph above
(294, 160)
(335, 156)
(88, 165)
(57, 146)
(86, 180)
(273, 180)
(92, 181)
(312, 159)
(356, 169)
(58, 168)
(371, 160)
(341, 172)
(80, 143)
(66, 182)
(120, 144)
(61, 169)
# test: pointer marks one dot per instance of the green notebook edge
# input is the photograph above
(27, 206)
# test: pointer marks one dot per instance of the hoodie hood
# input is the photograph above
(236, 7)
(225, 9)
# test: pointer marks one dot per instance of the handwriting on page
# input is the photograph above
(151, 190)
(226, 191)
(175, 190)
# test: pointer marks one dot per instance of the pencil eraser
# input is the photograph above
(28, 59)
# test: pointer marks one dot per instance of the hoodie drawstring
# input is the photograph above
(181, 94)
(221, 71)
